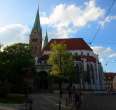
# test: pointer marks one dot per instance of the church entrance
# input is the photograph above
(41, 81)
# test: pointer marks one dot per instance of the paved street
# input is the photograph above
(99, 103)
(90, 102)
(45, 102)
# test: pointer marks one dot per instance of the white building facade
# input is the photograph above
(89, 69)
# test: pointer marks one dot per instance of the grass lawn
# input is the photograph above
(13, 99)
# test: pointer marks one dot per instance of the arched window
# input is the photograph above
(92, 71)
(77, 73)
(88, 78)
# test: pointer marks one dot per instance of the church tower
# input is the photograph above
(36, 37)
(45, 40)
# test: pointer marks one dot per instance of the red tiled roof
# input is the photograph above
(109, 74)
(71, 43)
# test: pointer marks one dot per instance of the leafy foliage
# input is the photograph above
(61, 61)
(13, 60)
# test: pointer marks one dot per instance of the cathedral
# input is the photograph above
(87, 61)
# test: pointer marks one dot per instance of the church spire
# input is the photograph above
(36, 37)
(37, 25)
(45, 40)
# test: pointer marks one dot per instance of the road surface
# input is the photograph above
(90, 102)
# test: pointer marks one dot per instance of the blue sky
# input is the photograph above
(63, 18)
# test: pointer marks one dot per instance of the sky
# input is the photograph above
(63, 19)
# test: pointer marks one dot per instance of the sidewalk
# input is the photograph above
(12, 107)
(7, 107)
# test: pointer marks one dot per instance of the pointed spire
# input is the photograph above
(37, 25)
(36, 37)
(46, 39)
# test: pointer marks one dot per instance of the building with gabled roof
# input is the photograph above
(86, 61)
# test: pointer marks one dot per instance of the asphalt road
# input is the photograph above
(90, 102)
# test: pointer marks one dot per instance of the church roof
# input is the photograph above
(71, 43)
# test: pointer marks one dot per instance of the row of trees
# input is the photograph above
(16, 58)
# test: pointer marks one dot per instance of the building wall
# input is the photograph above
(78, 52)
(90, 69)
(110, 81)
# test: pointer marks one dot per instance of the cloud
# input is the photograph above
(105, 54)
(67, 18)
(14, 33)
(108, 19)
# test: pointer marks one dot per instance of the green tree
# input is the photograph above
(13, 61)
(61, 61)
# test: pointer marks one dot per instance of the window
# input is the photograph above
(81, 53)
(87, 54)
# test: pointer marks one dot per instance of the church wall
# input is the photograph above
(96, 76)
(78, 52)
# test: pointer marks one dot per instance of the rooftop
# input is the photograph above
(71, 43)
